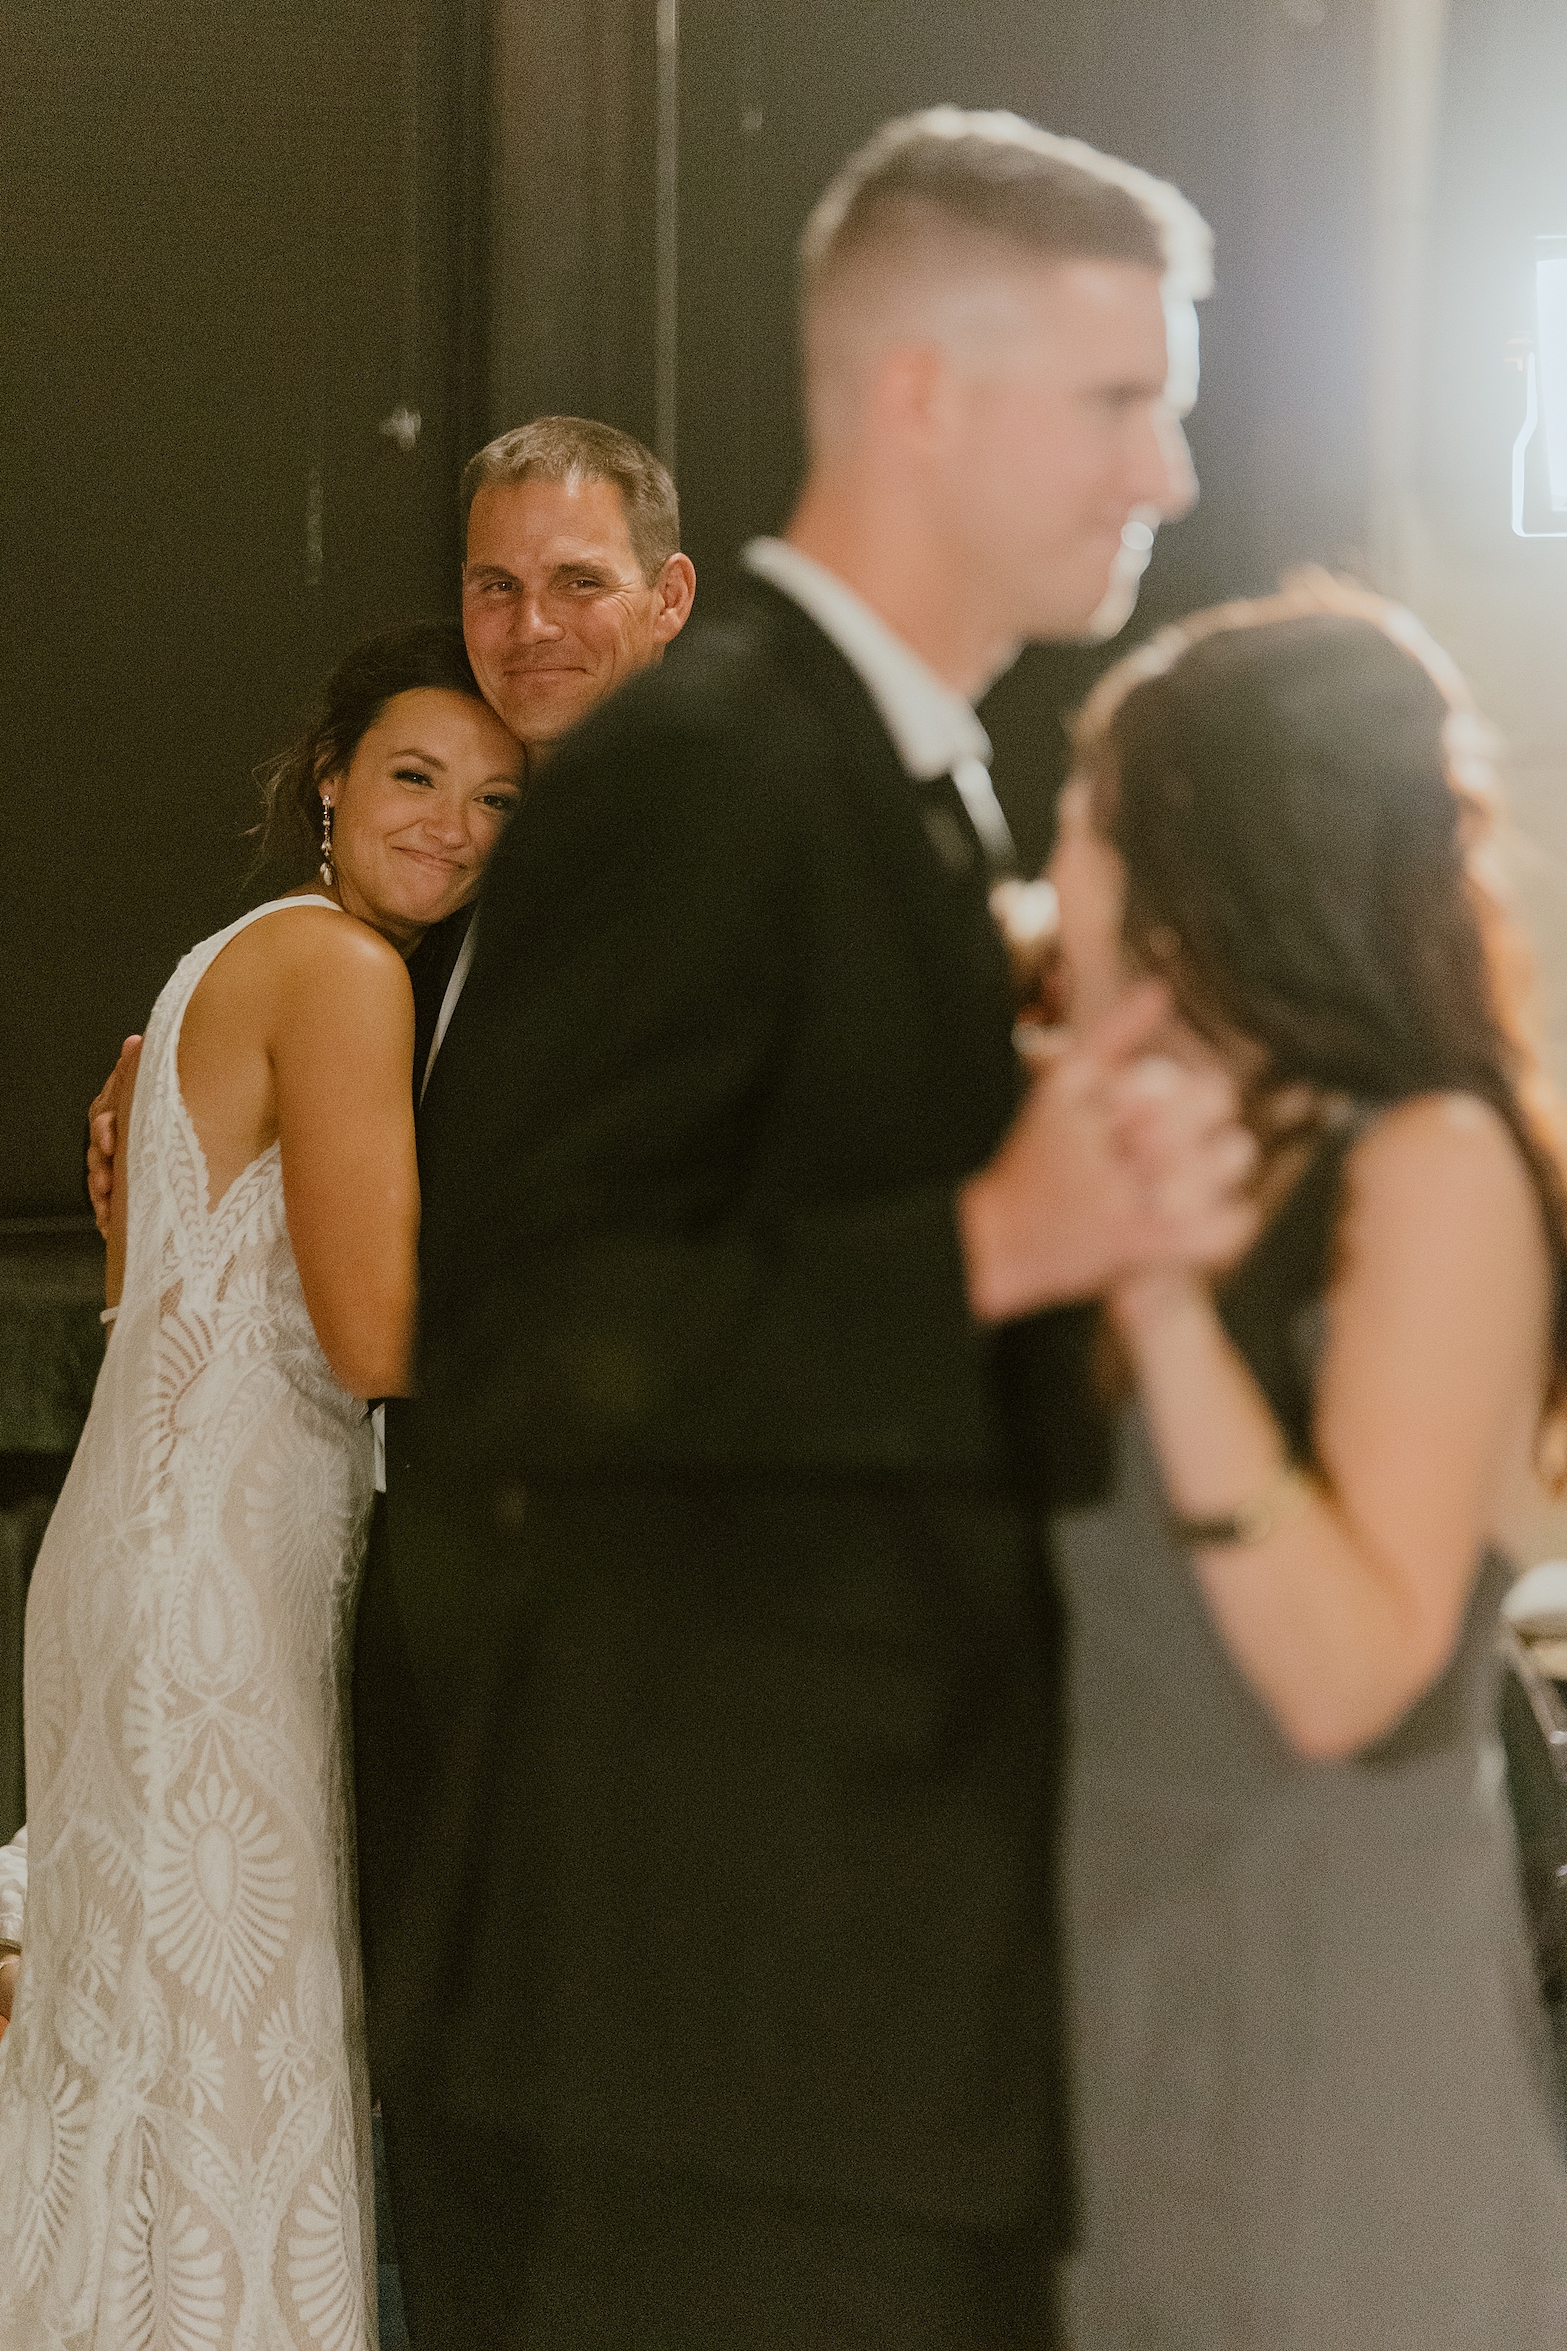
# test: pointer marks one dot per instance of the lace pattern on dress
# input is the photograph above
(184, 2119)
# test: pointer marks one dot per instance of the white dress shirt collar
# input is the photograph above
(933, 729)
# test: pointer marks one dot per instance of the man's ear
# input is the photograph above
(675, 589)
(911, 398)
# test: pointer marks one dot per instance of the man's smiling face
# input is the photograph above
(556, 609)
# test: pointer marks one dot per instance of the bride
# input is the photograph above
(184, 2123)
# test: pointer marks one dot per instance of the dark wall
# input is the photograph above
(1262, 113)
(571, 286)
(236, 239)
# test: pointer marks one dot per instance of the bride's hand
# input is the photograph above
(10, 1969)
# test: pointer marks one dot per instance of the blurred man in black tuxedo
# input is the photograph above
(727, 1662)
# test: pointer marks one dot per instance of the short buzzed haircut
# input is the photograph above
(579, 449)
(998, 178)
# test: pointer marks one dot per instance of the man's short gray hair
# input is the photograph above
(578, 449)
(998, 177)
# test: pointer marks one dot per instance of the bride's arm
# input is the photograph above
(125, 1072)
(13, 1904)
(341, 1050)
(1426, 1404)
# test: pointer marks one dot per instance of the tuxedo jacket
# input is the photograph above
(715, 1627)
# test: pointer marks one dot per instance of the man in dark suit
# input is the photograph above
(724, 1973)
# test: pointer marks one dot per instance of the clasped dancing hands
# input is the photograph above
(1120, 1159)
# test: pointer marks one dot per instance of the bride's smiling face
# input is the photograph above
(1090, 885)
(419, 809)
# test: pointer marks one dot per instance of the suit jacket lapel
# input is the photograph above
(430, 968)
(920, 834)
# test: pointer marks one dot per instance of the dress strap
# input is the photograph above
(158, 1100)
(271, 906)
(193, 969)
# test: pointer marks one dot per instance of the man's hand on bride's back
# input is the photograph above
(103, 1131)
(1119, 1158)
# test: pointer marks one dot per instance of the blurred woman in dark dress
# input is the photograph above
(1313, 2079)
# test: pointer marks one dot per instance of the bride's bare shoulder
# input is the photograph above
(301, 971)
(329, 934)
(305, 944)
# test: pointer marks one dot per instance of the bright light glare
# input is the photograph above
(1550, 277)
(1545, 386)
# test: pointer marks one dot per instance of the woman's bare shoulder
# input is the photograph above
(319, 943)
(1437, 1167)
(1443, 1139)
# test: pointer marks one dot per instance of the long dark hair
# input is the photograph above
(1299, 792)
(394, 661)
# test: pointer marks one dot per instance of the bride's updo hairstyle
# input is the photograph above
(1300, 792)
(422, 653)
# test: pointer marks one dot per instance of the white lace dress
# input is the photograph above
(184, 2120)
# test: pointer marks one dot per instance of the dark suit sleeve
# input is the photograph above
(610, 1285)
